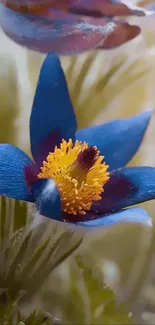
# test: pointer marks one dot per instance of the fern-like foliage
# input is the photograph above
(11, 314)
(103, 282)
(29, 252)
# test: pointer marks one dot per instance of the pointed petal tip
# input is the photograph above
(135, 215)
(149, 12)
(147, 113)
(143, 13)
(113, 138)
(50, 62)
(142, 216)
(52, 57)
(144, 117)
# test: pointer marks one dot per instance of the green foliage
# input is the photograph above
(103, 282)
(10, 314)
(51, 272)
(29, 252)
(35, 319)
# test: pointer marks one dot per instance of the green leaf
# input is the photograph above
(11, 314)
(27, 263)
(102, 282)
(13, 216)
(29, 252)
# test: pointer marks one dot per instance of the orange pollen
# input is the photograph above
(80, 175)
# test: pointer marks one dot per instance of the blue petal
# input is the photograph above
(117, 140)
(52, 110)
(126, 187)
(12, 173)
(129, 215)
(47, 198)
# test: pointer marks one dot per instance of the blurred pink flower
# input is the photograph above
(68, 26)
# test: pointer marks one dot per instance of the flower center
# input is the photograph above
(79, 173)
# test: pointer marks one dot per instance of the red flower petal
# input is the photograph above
(106, 7)
(51, 25)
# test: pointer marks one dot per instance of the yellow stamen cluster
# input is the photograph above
(78, 186)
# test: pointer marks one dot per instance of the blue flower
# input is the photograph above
(77, 176)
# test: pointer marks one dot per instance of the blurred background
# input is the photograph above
(104, 85)
(120, 81)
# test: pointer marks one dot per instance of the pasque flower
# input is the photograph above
(68, 26)
(77, 176)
